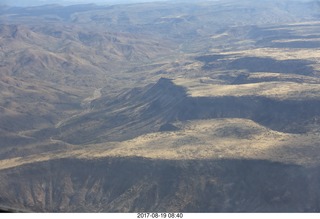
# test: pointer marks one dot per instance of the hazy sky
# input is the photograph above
(70, 2)
(67, 2)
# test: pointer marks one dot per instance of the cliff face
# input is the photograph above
(138, 184)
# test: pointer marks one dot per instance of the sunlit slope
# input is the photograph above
(202, 139)
(274, 90)
(199, 167)
(222, 138)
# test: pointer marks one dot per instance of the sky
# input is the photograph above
(67, 2)
(71, 2)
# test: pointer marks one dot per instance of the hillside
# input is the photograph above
(198, 106)
(143, 185)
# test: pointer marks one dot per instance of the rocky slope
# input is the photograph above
(193, 107)
(146, 110)
(142, 185)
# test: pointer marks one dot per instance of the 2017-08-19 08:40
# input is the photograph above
(160, 215)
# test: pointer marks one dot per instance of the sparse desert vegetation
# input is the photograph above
(198, 106)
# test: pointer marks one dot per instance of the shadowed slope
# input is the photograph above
(147, 109)
(142, 185)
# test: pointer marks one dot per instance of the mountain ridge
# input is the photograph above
(178, 106)
(166, 102)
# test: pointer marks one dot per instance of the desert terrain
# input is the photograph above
(195, 106)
